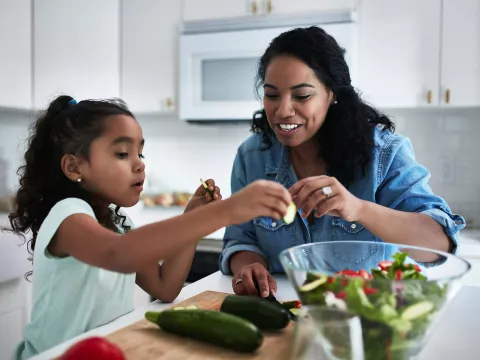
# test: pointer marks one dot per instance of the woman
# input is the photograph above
(350, 177)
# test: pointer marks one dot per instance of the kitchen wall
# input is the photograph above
(178, 154)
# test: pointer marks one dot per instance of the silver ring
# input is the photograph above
(238, 281)
(327, 191)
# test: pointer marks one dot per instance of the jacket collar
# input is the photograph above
(278, 163)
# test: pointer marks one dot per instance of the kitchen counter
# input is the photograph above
(454, 338)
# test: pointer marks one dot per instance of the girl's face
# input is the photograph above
(115, 171)
(295, 101)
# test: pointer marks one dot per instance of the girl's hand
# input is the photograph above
(260, 198)
(325, 195)
(202, 196)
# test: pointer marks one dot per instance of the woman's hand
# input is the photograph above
(202, 196)
(325, 195)
(242, 282)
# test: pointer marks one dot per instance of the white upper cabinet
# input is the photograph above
(76, 49)
(150, 31)
(460, 75)
(419, 53)
(304, 6)
(399, 47)
(15, 54)
(218, 9)
(224, 9)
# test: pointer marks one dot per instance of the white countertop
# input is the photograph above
(454, 338)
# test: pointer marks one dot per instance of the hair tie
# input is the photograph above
(73, 102)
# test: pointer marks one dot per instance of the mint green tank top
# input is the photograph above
(69, 296)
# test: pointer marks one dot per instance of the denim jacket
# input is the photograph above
(393, 179)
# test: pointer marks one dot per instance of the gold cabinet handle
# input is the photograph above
(447, 96)
(254, 7)
(269, 6)
(169, 103)
(429, 96)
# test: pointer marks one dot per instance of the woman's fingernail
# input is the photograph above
(264, 293)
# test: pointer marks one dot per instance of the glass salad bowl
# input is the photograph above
(398, 291)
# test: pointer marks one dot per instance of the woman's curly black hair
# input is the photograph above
(66, 127)
(346, 136)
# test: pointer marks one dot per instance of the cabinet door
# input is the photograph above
(305, 6)
(218, 9)
(11, 325)
(149, 51)
(76, 49)
(399, 47)
(460, 78)
(13, 317)
(15, 53)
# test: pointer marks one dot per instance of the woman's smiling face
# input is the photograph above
(295, 100)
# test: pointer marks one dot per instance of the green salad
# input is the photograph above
(395, 303)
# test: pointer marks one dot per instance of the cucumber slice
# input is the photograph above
(314, 284)
(295, 311)
(291, 212)
(416, 310)
(190, 307)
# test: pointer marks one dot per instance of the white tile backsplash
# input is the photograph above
(178, 153)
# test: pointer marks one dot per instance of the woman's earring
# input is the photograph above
(335, 102)
(79, 180)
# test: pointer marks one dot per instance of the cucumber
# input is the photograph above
(262, 313)
(289, 304)
(291, 212)
(211, 326)
(417, 310)
(314, 284)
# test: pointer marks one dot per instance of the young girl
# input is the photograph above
(81, 158)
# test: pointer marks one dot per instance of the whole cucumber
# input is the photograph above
(261, 312)
(210, 326)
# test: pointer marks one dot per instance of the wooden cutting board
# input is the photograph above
(145, 341)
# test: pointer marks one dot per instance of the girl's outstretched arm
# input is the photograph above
(82, 237)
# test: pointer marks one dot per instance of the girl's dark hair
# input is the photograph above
(66, 127)
(346, 137)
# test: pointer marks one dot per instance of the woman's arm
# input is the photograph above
(402, 227)
(242, 258)
(406, 212)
